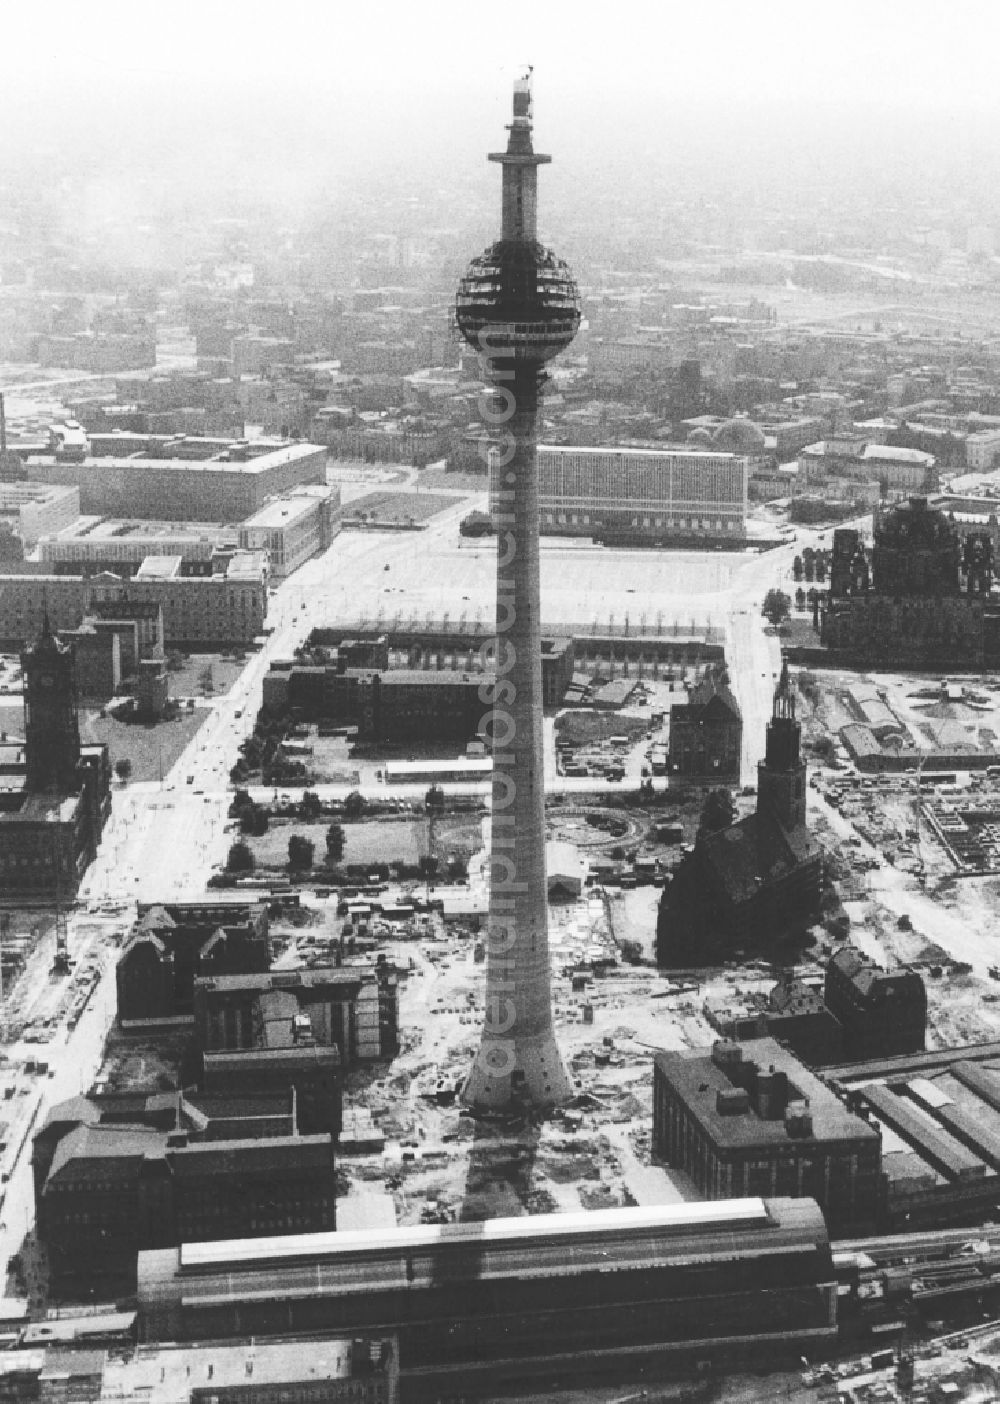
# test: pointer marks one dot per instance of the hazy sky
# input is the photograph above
(936, 53)
(389, 80)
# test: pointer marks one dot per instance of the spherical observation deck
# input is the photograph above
(517, 299)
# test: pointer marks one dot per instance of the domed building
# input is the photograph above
(740, 435)
(921, 596)
(915, 551)
(700, 438)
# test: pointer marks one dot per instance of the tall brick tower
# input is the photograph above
(518, 307)
(781, 775)
(51, 729)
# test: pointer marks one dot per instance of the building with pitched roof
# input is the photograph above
(173, 943)
(106, 1188)
(706, 732)
(757, 881)
(883, 1013)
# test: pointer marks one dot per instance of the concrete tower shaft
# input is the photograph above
(518, 306)
(518, 1059)
(519, 207)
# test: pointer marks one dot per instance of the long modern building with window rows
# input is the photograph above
(637, 495)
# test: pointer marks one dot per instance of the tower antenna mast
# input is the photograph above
(517, 305)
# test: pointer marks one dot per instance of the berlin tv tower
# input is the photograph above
(518, 306)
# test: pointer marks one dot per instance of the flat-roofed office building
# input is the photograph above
(225, 488)
(637, 495)
(293, 528)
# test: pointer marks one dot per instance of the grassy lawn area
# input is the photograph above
(148, 747)
(402, 506)
(457, 482)
(186, 682)
(374, 841)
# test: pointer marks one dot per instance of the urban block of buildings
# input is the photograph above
(115, 1176)
(173, 943)
(852, 467)
(356, 686)
(860, 1011)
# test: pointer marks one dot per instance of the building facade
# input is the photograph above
(225, 488)
(354, 1008)
(982, 450)
(174, 943)
(751, 1119)
(39, 508)
(883, 1013)
(111, 1191)
(642, 495)
(706, 733)
(921, 597)
(293, 528)
(227, 608)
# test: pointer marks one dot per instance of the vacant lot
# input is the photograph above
(136, 1064)
(456, 833)
(586, 728)
(330, 762)
(402, 506)
(152, 749)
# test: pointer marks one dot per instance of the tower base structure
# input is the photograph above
(511, 1073)
(517, 306)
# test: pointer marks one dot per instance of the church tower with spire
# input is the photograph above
(781, 775)
(51, 728)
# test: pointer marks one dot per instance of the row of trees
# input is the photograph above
(811, 565)
(301, 852)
